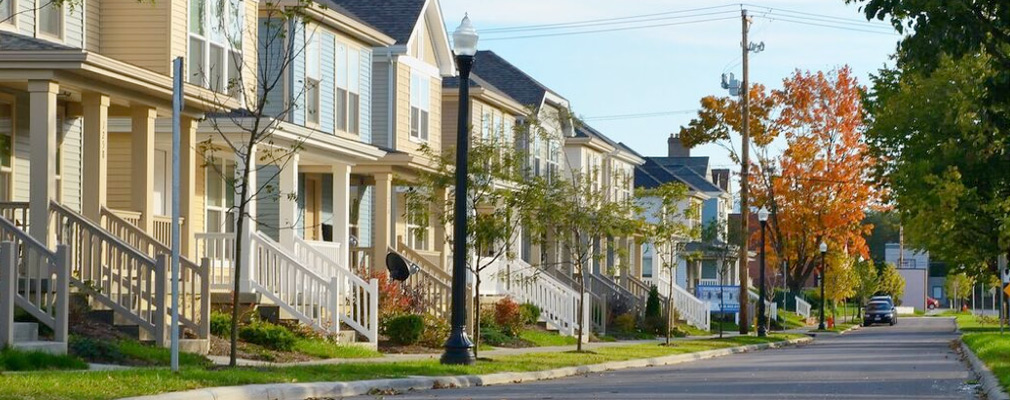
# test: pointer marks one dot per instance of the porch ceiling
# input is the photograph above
(316, 148)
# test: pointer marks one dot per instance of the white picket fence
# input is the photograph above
(559, 304)
(802, 307)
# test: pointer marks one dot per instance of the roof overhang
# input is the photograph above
(115, 78)
(314, 145)
(491, 97)
(343, 23)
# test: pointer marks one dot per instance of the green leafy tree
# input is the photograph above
(665, 227)
(959, 286)
(500, 196)
(867, 281)
(891, 282)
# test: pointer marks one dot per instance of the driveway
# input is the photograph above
(912, 360)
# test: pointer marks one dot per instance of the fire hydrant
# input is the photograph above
(831, 322)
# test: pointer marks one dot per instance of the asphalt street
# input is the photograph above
(912, 360)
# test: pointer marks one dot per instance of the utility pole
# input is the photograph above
(744, 184)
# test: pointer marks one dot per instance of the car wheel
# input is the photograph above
(893, 322)
(931, 307)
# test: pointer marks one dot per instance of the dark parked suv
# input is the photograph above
(880, 312)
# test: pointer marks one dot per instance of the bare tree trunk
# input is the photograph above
(582, 306)
(476, 314)
(670, 321)
(237, 275)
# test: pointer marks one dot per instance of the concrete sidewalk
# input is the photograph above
(390, 358)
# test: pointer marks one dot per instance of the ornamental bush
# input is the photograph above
(405, 329)
(507, 317)
(268, 335)
(530, 313)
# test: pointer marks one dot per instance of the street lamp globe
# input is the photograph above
(763, 214)
(464, 39)
(824, 247)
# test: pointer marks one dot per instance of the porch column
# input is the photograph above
(248, 229)
(42, 137)
(288, 204)
(342, 210)
(187, 186)
(636, 258)
(96, 141)
(383, 219)
(142, 157)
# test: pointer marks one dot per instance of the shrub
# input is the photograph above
(394, 298)
(220, 324)
(679, 331)
(94, 350)
(436, 330)
(487, 316)
(268, 335)
(508, 317)
(494, 336)
(405, 329)
(625, 323)
(655, 321)
(530, 313)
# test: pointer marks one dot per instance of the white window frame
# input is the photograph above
(11, 20)
(420, 107)
(214, 174)
(347, 104)
(313, 79)
(553, 159)
(230, 44)
(418, 236)
(7, 131)
(42, 6)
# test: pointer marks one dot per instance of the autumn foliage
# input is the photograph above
(818, 188)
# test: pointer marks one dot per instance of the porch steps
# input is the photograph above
(26, 338)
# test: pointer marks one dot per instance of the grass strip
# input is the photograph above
(104, 385)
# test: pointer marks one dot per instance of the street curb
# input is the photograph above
(850, 329)
(299, 391)
(990, 385)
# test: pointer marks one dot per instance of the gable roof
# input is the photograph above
(653, 173)
(509, 78)
(10, 41)
(452, 82)
(394, 18)
(697, 164)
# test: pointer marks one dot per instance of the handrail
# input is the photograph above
(802, 307)
(35, 279)
(10, 211)
(113, 272)
(432, 283)
(423, 261)
(769, 305)
(351, 290)
(598, 312)
(193, 313)
(219, 249)
(694, 311)
(558, 302)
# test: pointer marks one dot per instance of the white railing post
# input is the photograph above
(8, 289)
(205, 298)
(335, 304)
(373, 310)
(160, 291)
(62, 265)
(586, 319)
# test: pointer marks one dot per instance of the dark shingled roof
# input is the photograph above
(452, 82)
(394, 18)
(652, 174)
(12, 41)
(584, 130)
(509, 78)
(697, 164)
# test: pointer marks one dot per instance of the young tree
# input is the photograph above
(959, 287)
(819, 188)
(866, 282)
(501, 197)
(666, 226)
(891, 283)
(839, 281)
(250, 133)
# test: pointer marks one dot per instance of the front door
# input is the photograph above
(312, 208)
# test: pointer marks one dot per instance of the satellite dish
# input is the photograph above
(399, 268)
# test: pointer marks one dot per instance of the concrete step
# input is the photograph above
(103, 316)
(58, 348)
(26, 332)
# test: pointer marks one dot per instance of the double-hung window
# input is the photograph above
(6, 149)
(553, 159)
(215, 44)
(7, 11)
(50, 18)
(313, 77)
(220, 195)
(420, 99)
(348, 101)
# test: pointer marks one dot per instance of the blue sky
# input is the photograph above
(670, 68)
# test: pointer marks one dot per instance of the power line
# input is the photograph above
(892, 33)
(608, 30)
(809, 14)
(601, 20)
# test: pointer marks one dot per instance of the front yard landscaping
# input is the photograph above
(981, 334)
(101, 385)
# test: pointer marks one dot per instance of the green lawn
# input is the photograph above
(791, 320)
(323, 348)
(17, 360)
(981, 334)
(541, 338)
(145, 381)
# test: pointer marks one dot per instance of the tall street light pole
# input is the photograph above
(824, 270)
(762, 329)
(457, 347)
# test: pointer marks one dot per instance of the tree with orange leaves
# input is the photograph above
(818, 188)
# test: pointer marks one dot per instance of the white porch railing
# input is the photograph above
(162, 226)
(598, 308)
(114, 273)
(709, 282)
(34, 279)
(433, 284)
(194, 279)
(693, 310)
(357, 302)
(802, 307)
(770, 306)
(219, 249)
(559, 304)
(309, 297)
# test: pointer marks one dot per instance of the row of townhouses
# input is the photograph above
(362, 87)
